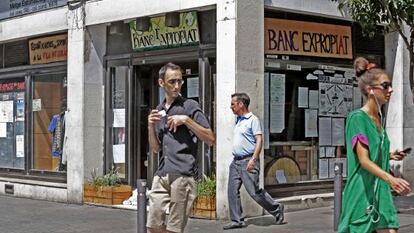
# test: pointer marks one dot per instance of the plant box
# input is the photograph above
(107, 195)
(204, 207)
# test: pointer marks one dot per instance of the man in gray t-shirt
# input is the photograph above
(244, 169)
(173, 129)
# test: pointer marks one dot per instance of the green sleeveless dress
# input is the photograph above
(361, 212)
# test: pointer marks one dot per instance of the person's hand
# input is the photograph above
(401, 186)
(174, 121)
(397, 155)
(153, 117)
(251, 165)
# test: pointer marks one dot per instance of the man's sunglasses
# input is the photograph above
(384, 85)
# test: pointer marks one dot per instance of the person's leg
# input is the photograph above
(387, 231)
(183, 194)
(158, 200)
(263, 198)
(233, 193)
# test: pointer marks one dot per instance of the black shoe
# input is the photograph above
(280, 216)
(234, 225)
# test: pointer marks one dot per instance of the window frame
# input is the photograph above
(28, 72)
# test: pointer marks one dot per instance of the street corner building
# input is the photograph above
(78, 78)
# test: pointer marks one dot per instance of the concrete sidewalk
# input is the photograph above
(19, 215)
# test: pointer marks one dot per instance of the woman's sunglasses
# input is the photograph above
(384, 85)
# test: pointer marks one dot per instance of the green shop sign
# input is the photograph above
(160, 36)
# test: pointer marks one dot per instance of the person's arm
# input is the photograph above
(204, 134)
(153, 118)
(399, 185)
(258, 148)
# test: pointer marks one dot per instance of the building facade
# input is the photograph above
(78, 79)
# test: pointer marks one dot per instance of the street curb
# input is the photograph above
(304, 202)
(294, 203)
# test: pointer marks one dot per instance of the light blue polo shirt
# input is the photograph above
(244, 140)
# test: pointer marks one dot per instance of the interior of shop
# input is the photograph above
(308, 103)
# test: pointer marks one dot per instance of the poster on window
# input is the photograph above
(119, 153)
(37, 105)
(325, 131)
(3, 130)
(277, 103)
(313, 99)
(323, 168)
(192, 87)
(20, 110)
(6, 111)
(19, 146)
(119, 118)
(335, 99)
(303, 95)
(277, 88)
(338, 131)
(311, 123)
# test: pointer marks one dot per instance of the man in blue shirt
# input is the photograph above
(244, 169)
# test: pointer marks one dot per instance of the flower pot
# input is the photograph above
(107, 195)
(204, 207)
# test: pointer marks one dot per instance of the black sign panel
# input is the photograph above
(12, 8)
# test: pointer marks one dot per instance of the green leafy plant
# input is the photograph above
(394, 15)
(207, 187)
(109, 179)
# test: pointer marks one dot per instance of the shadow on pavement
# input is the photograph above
(262, 221)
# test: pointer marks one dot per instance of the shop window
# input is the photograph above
(12, 122)
(308, 105)
(48, 108)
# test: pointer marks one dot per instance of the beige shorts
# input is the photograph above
(180, 194)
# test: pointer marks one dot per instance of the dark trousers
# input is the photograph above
(238, 175)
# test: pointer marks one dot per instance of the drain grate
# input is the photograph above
(9, 188)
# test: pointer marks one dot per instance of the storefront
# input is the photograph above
(133, 60)
(32, 108)
(309, 90)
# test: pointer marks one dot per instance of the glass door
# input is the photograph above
(12, 123)
(128, 98)
(117, 125)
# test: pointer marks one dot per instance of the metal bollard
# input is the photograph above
(337, 194)
(142, 206)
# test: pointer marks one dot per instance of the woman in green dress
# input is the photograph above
(367, 202)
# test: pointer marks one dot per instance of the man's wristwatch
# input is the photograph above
(254, 159)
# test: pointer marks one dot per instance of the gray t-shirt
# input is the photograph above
(179, 149)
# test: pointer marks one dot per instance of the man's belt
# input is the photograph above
(237, 157)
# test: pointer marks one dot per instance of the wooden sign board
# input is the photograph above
(290, 37)
(48, 49)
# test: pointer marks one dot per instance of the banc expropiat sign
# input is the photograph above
(160, 36)
(290, 37)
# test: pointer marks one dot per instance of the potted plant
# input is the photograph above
(106, 189)
(205, 204)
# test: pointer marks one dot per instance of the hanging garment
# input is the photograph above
(56, 127)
